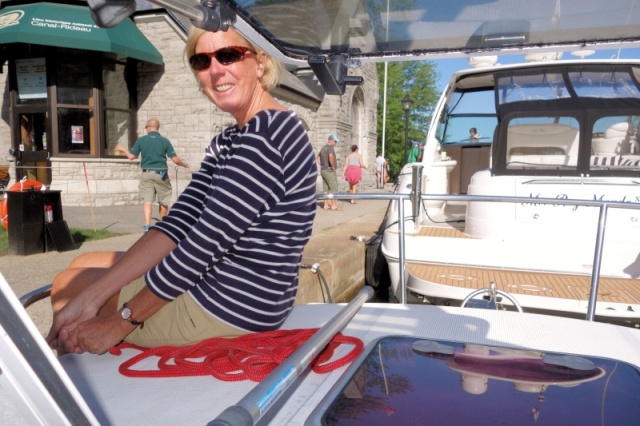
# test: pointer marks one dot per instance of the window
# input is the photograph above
(614, 143)
(119, 111)
(88, 100)
(466, 109)
(543, 143)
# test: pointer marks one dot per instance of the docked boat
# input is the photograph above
(546, 129)
(413, 363)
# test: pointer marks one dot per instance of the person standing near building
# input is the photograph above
(387, 171)
(154, 181)
(327, 161)
(352, 170)
(380, 170)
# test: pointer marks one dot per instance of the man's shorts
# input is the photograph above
(329, 181)
(153, 187)
(178, 323)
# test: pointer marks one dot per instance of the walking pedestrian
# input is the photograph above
(154, 180)
(380, 170)
(352, 170)
(327, 161)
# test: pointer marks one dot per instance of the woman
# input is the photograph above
(225, 260)
(352, 170)
(379, 165)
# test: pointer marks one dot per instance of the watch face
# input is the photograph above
(126, 313)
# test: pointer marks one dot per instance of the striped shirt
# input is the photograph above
(242, 223)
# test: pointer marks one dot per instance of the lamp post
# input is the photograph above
(407, 103)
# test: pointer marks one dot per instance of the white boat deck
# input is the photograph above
(119, 400)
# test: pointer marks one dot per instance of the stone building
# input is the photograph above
(67, 101)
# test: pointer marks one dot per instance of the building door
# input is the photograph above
(33, 149)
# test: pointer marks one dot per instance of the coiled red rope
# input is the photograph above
(249, 357)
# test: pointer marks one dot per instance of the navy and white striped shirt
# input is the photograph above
(242, 223)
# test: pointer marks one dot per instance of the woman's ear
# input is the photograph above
(261, 64)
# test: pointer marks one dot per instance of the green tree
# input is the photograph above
(418, 80)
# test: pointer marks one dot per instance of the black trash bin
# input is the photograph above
(26, 215)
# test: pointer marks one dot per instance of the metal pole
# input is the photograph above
(406, 135)
(597, 259)
(416, 190)
(401, 258)
(259, 400)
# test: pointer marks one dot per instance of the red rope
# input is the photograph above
(252, 356)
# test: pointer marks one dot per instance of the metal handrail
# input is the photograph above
(416, 195)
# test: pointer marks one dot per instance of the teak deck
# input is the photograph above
(572, 287)
(562, 286)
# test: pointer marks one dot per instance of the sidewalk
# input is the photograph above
(26, 273)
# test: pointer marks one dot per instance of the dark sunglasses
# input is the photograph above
(225, 56)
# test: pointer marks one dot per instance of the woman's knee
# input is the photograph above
(97, 259)
(68, 283)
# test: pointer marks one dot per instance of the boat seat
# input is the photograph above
(615, 140)
(544, 144)
(547, 162)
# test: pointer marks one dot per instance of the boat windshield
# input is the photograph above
(466, 110)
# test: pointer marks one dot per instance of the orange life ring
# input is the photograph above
(22, 185)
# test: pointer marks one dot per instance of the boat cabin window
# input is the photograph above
(543, 143)
(568, 120)
(535, 86)
(610, 84)
(614, 143)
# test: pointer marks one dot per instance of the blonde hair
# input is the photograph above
(273, 69)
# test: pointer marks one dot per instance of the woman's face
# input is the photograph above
(234, 88)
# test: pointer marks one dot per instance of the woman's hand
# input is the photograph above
(98, 334)
(66, 320)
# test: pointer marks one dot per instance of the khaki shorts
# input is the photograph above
(181, 322)
(153, 187)
(329, 181)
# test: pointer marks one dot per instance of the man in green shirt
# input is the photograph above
(416, 153)
(154, 180)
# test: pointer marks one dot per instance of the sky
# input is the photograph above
(446, 67)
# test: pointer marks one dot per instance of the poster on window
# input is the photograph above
(32, 78)
(77, 134)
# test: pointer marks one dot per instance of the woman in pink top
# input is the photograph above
(352, 170)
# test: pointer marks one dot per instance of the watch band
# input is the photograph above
(127, 315)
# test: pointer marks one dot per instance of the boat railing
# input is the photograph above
(415, 196)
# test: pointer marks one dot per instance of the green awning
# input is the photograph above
(64, 25)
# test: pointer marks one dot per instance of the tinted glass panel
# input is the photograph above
(74, 131)
(116, 93)
(614, 143)
(609, 84)
(117, 130)
(543, 143)
(533, 87)
(411, 381)
(73, 79)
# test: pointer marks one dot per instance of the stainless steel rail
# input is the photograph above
(415, 196)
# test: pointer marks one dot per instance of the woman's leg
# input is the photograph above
(83, 270)
(70, 282)
(96, 259)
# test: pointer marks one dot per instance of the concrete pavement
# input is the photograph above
(341, 259)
